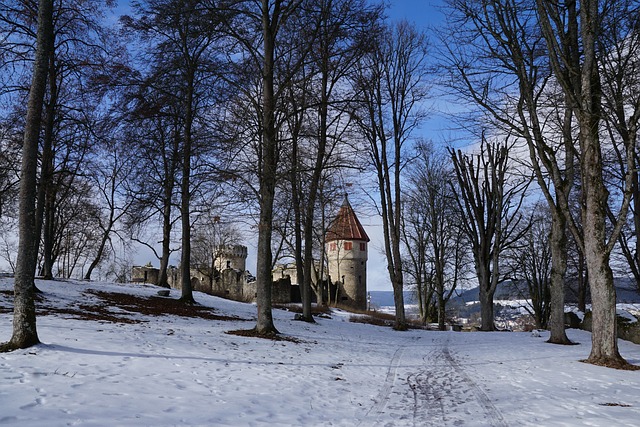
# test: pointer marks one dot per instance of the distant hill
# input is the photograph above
(626, 292)
(385, 298)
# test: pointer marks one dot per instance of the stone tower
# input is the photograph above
(231, 256)
(347, 253)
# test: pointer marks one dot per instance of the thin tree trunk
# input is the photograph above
(24, 313)
(163, 279)
(103, 244)
(46, 173)
(264, 280)
(636, 221)
(185, 204)
(313, 195)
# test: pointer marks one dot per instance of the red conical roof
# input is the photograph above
(346, 225)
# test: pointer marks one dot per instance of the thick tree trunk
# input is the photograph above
(24, 312)
(398, 300)
(604, 338)
(486, 310)
(558, 245)
(636, 221)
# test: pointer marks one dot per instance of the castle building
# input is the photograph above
(347, 254)
(231, 256)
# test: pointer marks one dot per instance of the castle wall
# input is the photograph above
(228, 280)
(290, 270)
(145, 274)
(231, 256)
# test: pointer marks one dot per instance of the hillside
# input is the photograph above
(109, 357)
(626, 292)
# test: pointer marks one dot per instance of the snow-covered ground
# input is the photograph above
(172, 370)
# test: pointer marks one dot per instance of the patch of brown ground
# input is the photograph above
(619, 364)
(252, 333)
(128, 305)
(297, 308)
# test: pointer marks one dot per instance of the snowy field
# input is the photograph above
(172, 370)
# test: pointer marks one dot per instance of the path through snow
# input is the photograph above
(436, 393)
(172, 370)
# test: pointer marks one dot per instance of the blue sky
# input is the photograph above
(422, 12)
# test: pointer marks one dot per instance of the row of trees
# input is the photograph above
(263, 110)
(561, 77)
(220, 109)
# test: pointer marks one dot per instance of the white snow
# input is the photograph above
(174, 370)
(626, 315)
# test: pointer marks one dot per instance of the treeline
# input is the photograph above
(182, 119)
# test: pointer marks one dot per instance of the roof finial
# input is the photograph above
(347, 185)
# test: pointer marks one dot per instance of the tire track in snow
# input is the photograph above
(436, 392)
(445, 395)
(383, 395)
(492, 413)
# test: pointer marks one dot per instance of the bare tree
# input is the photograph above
(24, 311)
(490, 206)
(336, 45)
(529, 263)
(619, 69)
(571, 33)
(431, 232)
(499, 58)
(110, 173)
(392, 84)
(211, 236)
(152, 135)
(184, 56)
(267, 56)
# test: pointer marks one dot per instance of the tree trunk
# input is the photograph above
(441, 310)
(185, 203)
(103, 243)
(46, 173)
(636, 221)
(312, 197)
(486, 309)
(268, 163)
(604, 338)
(163, 279)
(24, 312)
(558, 245)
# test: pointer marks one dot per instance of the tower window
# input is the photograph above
(363, 246)
(348, 246)
(332, 246)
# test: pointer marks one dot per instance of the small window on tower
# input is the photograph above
(333, 246)
(348, 246)
(363, 246)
